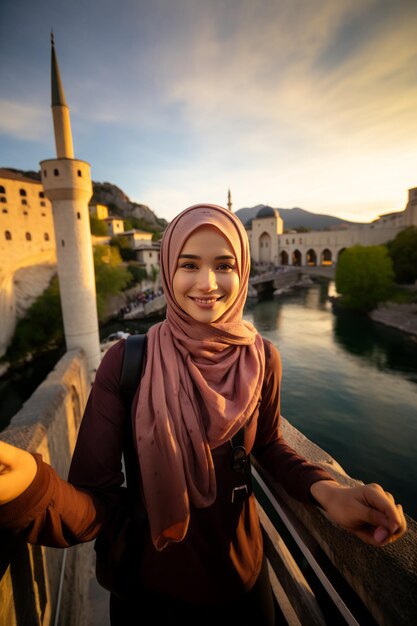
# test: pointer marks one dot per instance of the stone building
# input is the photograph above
(148, 256)
(270, 246)
(27, 247)
(100, 211)
(115, 225)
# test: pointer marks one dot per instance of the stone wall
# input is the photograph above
(385, 579)
(30, 588)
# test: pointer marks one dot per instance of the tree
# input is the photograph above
(111, 276)
(41, 326)
(139, 273)
(98, 227)
(364, 276)
(403, 252)
(121, 243)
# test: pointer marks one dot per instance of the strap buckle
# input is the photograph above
(239, 489)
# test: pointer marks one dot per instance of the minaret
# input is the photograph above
(67, 183)
(229, 201)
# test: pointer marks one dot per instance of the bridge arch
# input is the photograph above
(311, 257)
(265, 248)
(283, 257)
(339, 253)
(296, 257)
(326, 257)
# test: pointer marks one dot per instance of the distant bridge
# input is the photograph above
(285, 276)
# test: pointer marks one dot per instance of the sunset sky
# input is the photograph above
(307, 103)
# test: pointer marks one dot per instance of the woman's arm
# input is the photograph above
(17, 470)
(51, 510)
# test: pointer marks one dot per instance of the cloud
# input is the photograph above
(23, 121)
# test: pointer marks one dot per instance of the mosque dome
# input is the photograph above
(267, 211)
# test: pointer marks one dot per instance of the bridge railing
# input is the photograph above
(322, 574)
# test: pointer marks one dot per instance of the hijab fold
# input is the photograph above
(218, 366)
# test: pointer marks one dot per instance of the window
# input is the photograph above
(25, 212)
(24, 201)
(79, 173)
(78, 215)
(62, 243)
(3, 199)
(45, 173)
(22, 192)
(8, 235)
(43, 214)
(43, 203)
(2, 189)
(46, 236)
(150, 254)
(56, 172)
(41, 194)
(5, 211)
(28, 237)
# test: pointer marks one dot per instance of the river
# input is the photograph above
(349, 384)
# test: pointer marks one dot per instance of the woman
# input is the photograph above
(210, 383)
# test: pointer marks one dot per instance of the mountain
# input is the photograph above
(297, 218)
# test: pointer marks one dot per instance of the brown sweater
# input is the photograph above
(222, 552)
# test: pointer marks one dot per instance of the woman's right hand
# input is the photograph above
(17, 470)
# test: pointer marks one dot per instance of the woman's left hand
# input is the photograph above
(367, 511)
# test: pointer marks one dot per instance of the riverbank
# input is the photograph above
(400, 316)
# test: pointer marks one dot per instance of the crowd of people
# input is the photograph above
(140, 299)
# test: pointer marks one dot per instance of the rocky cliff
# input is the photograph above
(119, 204)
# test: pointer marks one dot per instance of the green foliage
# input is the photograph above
(111, 276)
(403, 252)
(98, 227)
(41, 326)
(122, 244)
(403, 295)
(141, 224)
(138, 273)
(154, 272)
(364, 276)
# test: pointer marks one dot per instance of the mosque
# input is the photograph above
(45, 225)
(271, 246)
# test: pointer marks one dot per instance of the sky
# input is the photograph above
(307, 103)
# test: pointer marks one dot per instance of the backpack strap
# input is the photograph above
(132, 366)
(131, 374)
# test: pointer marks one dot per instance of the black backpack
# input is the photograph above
(118, 545)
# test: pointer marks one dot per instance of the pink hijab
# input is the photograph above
(201, 384)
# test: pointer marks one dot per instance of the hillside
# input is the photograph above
(119, 204)
(297, 218)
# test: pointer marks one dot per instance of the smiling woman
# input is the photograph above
(206, 283)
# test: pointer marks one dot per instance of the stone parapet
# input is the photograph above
(37, 582)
